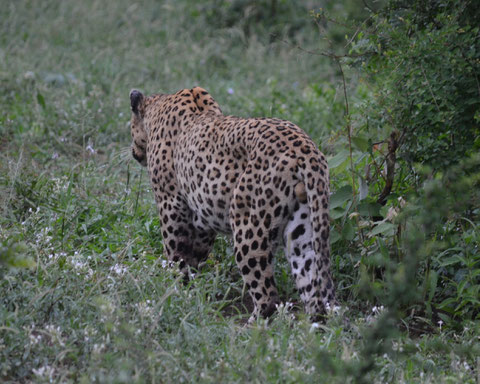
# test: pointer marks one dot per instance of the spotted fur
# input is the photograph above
(261, 180)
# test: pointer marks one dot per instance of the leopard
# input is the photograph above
(262, 181)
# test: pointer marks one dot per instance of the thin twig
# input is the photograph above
(349, 126)
(367, 6)
(429, 87)
(391, 160)
(324, 54)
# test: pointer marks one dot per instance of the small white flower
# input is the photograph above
(35, 339)
(90, 149)
(55, 156)
(230, 91)
(314, 326)
(29, 75)
(98, 348)
(77, 264)
(119, 269)
(45, 371)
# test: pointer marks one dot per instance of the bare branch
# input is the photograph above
(391, 159)
(330, 55)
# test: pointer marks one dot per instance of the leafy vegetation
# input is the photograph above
(388, 90)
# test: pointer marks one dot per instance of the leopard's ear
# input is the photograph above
(136, 100)
(204, 101)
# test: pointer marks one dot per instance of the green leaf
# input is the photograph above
(341, 196)
(432, 284)
(338, 159)
(337, 213)
(445, 318)
(334, 236)
(385, 228)
(41, 100)
(383, 248)
(446, 305)
(348, 232)
(450, 261)
(360, 143)
(366, 208)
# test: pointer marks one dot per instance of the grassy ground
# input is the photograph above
(100, 304)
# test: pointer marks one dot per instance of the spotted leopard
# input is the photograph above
(262, 180)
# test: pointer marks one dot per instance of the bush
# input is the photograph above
(424, 59)
(411, 135)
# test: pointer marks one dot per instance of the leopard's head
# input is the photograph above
(139, 134)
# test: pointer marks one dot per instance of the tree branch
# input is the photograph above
(391, 159)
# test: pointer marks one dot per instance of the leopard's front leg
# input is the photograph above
(182, 242)
(177, 231)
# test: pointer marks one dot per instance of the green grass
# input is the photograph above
(100, 304)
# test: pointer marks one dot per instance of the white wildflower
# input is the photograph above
(29, 75)
(98, 348)
(45, 372)
(35, 338)
(119, 269)
(314, 326)
(230, 91)
(77, 264)
(90, 148)
(146, 308)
